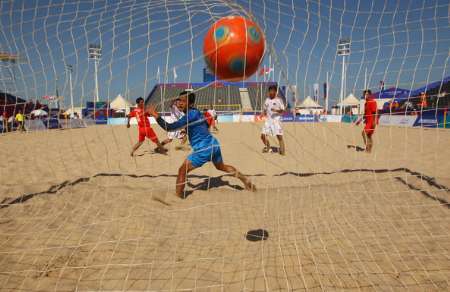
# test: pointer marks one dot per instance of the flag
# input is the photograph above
(157, 74)
(265, 70)
(325, 91)
(174, 74)
(381, 85)
(316, 91)
(49, 97)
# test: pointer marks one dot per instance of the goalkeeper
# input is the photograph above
(205, 146)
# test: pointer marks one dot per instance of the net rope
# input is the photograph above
(78, 213)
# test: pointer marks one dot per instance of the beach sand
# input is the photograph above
(78, 213)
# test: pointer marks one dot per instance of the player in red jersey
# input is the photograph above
(370, 120)
(209, 119)
(145, 130)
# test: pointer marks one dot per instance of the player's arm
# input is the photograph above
(181, 123)
(130, 115)
(281, 107)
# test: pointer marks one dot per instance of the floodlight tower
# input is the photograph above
(95, 53)
(69, 69)
(343, 49)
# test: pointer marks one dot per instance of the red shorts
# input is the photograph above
(369, 129)
(149, 133)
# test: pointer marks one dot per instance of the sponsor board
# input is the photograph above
(330, 118)
(225, 118)
(247, 118)
(429, 119)
(397, 120)
(306, 118)
(288, 118)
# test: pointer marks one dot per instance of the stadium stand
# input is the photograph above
(224, 96)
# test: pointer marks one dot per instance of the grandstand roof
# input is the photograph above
(185, 85)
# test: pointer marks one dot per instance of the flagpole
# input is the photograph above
(327, 94)
(365, 79)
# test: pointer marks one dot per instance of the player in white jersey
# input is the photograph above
(213, 114)
(175, 115)
(273, 108)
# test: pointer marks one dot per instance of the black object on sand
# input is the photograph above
(257, 235)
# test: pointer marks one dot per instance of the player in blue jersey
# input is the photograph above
(205, 146)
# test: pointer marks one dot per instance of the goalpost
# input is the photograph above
(78, 213)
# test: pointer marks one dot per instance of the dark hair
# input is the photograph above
(138, 100)
(273, 87)
(367, 91)
(190, 95)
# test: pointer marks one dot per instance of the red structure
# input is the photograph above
(233, 48)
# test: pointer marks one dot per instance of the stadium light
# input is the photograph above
(95, 53)
(343, 49)
(69, 68)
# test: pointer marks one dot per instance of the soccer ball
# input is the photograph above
(233, 48)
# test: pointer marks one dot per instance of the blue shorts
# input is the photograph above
(211, 153)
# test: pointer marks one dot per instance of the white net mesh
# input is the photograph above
(78, 213)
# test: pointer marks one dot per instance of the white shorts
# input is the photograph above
(272, 128)
(176, 134)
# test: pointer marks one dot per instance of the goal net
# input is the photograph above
(77, 212)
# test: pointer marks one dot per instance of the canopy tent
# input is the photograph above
(393, 92)
(309, 106)
(433, 86)
(120, 103)
(39, 113)
(350, 100)
(308, 102)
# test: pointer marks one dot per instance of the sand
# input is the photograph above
(78, 213)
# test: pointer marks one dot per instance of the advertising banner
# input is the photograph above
(331, 118)
(306, 118)
(247, 118)
(397, 120)
(288, 118)
(225, 118)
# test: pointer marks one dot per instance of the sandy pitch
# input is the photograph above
(83, 214)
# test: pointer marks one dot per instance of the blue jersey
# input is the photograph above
(196, 128)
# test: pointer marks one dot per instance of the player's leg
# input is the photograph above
(217, 160)
(184, 169)
(166, 141)
(150, 134)
(266, 142)
(364, 135)
(282, 145)
(369, 142)
(213, 124)
(135, 147)
(236, 173)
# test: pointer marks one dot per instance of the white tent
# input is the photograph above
(309, 106)
(120, 103)
(350, 102)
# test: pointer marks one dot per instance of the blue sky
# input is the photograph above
(405, 42)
